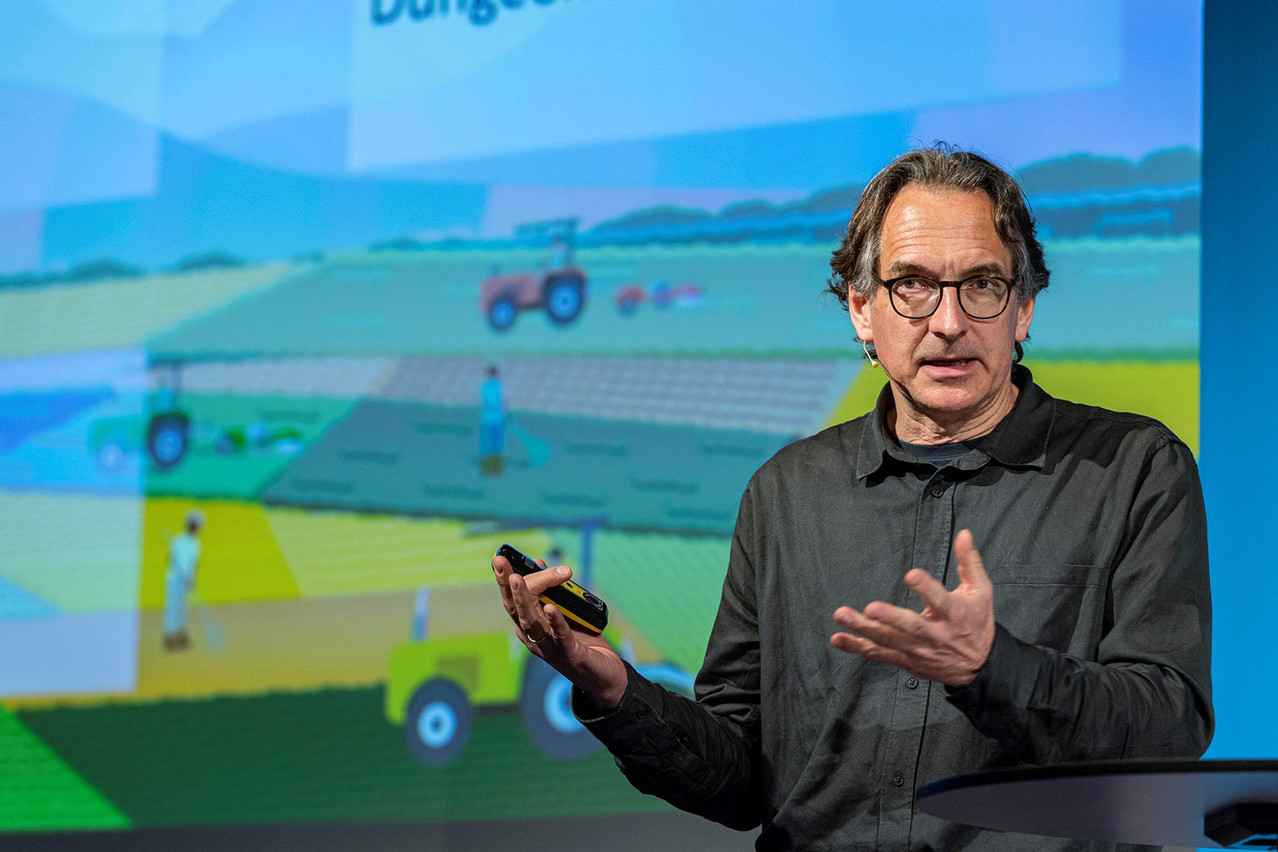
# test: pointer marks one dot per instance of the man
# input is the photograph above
(492, 424)
(179, 580)
(1079, 631)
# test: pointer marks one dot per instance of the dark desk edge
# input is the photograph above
(1091, 768)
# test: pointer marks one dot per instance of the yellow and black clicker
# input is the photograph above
(583, 610)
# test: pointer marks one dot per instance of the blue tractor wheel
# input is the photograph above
(563, 297)
(546, 707)
(167, 439)
(502, 313)
(437, 724)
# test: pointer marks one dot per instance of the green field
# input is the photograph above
(39, 792)
(121, 312)
(327, 755)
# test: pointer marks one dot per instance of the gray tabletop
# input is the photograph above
(1159, 802)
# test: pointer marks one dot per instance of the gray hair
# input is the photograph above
(855, 262)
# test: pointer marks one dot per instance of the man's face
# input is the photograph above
(950, 374)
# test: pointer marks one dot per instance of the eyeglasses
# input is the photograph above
(917, 297)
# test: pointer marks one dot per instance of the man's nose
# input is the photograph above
(948, 320)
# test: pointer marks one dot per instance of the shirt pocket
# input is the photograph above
(1059, 606)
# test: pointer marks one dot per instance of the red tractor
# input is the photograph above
(559, 288)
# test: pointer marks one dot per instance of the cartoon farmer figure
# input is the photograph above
(179, 580)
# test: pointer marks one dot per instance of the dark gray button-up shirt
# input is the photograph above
(1092, 529)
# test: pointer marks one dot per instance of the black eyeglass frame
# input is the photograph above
(958, 291)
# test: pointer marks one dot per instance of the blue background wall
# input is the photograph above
(1239, 389)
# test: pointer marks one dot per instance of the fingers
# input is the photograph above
(502, 571)
(559, 629)
(530, 617)
(539, 581)
(865, 648)
(971, 568)
(971, 572)
(539, 625)
(883, 624)
(852, 644)
(930, 590)
(869, 639)
(947, 642)
(519, 600)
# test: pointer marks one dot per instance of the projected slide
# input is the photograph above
(303, 315)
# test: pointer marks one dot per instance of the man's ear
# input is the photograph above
(1024, 315)
(861, 310)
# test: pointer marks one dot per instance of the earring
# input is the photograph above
(870, 354)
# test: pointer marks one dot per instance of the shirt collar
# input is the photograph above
(1019, 440)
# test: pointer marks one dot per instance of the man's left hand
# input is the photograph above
(947, 642)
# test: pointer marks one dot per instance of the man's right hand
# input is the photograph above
(589, 662)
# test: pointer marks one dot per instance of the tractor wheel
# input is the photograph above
(546, 706)
(564, 296)
(502, 313)
(437, 724)
(167, 439)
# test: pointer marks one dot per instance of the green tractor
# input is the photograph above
(434, 685)
(165, 435)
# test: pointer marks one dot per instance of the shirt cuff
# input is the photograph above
(1001, 687)
(636, 705)
(635, 731)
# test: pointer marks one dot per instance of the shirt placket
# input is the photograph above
(933, 534)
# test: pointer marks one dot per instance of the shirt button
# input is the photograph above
(938, 490)
(912, 682)
(898, 780)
